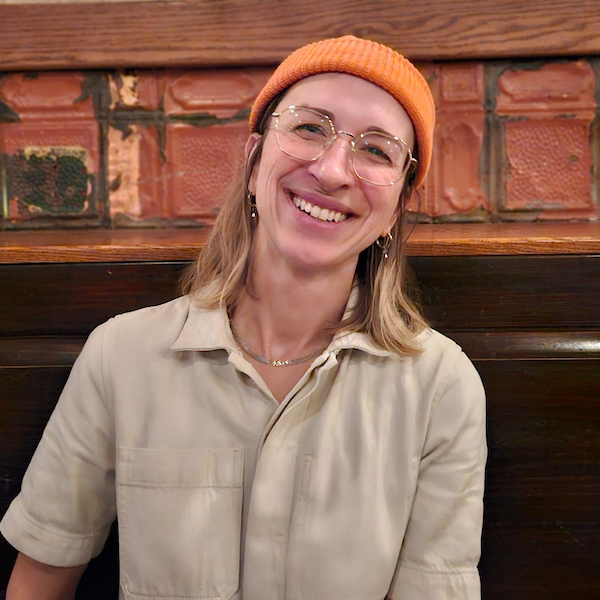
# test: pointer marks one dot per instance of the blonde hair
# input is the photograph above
(383, 308)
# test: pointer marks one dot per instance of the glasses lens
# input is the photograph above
(303, 133)
(380, 159)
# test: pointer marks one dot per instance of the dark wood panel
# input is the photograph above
(528, 344)
(530, 323)
(73, 299)
(542, 384)
(459, 293)
(250, 32)
(540, 564)
(27, 400)
(554, 441)
(39, 351)
(544, 502)
(498, 292)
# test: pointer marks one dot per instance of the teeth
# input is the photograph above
(317, 212)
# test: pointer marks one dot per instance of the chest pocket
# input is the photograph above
(180, 515)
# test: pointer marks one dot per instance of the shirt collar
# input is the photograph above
(208, 329)
(205, 330)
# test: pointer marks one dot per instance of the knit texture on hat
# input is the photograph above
(371, 61)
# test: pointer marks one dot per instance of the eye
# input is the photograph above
(374, 153)
(310, 130)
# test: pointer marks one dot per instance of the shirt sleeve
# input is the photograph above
(442, 544)
(66, 506)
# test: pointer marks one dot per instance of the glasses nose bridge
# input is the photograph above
(339, 132)
(337, 135)
(342, 135)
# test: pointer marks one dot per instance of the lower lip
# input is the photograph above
(306, 218)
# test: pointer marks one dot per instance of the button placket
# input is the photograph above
(268, 531)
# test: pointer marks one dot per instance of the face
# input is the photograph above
(279, 182)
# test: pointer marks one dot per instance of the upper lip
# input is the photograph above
(322, 201)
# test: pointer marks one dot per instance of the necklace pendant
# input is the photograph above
(263, 359)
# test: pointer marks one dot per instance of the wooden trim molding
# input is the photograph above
(204, 33)
(124, 245)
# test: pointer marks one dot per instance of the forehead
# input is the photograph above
(354, 103)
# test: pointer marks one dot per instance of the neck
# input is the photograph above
(291, 312)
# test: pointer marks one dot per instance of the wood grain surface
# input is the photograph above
(531, 324)
(251, 32)
(70, 300)
(502, 293)
(473, 239)
(464, 294)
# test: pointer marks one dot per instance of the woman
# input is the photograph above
(291, 428)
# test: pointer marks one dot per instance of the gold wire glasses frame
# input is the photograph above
(306, 134)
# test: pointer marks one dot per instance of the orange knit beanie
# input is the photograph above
(371, 61)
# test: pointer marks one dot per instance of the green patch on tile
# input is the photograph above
(46, 181)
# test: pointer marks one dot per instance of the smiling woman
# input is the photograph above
(291, 427)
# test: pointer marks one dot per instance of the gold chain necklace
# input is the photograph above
(267, 361)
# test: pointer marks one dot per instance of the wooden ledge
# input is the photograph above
(136, 245)
(488, 239)
(201, 33)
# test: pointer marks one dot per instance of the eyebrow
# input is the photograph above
(332, 117)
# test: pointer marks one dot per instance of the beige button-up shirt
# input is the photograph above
(365, 482)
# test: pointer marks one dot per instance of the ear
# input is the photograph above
(251, 142)
(250, 148)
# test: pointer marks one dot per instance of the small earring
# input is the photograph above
(384, 242)
(251, 199)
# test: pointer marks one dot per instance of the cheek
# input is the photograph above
(388, 204)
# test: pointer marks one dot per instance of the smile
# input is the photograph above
(317, 212)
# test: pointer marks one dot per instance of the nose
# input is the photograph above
(334, 168)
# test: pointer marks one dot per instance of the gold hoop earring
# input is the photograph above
(251, 199)
(384, 242)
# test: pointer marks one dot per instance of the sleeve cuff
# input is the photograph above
(411, 583)
(51, 548)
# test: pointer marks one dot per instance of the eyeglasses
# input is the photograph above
(306, 134)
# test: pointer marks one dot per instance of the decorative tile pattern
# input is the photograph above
(51, 150)
(51, 169)
(453, 184)
(222, 93)
(202, 163)
(550, 164)
(47, 95)
(135, 174)
(136, 89)
(545, 160)
(159, 147)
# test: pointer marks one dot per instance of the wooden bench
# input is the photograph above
(523, 301)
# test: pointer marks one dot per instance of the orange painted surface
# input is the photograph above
(513, 144)
(136, 89)
(52, 168)
(201, 164)
(551, 90)
(218, 92)
(453, 185)
(547, 115)
(136, 175)
(550, 165)
(44, 95)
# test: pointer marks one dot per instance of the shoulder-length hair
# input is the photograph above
(383, 308)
